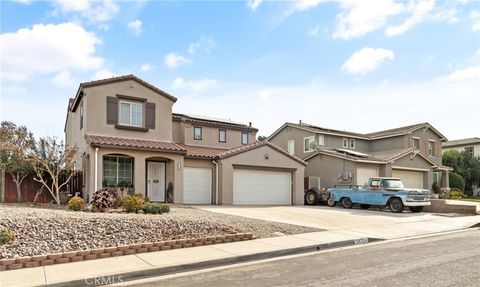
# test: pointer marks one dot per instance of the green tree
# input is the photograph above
(16, 143)
(261, 138)
(53, 164)
(463, 164)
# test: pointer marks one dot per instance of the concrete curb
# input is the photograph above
(160, 271)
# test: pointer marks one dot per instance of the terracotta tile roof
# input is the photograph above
(462, 142)
(252, 146)
(347, 156)
(212, 122)
(400, 130)
(315, 128)
(202, 152)
(134, 144)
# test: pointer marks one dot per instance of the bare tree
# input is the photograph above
(53, 164)
(16, 143)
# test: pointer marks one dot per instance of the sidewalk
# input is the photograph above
(171, 261)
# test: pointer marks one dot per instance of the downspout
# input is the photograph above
(96, 170)
(216, 181)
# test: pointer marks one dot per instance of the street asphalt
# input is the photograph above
(443, 260)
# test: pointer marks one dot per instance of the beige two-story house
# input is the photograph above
(127, 135)
(412, 153)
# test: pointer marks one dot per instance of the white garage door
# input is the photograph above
(411, 179)
(366, 172)
(197, 185)
(262, 187)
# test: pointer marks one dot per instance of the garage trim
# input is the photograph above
(410, 168)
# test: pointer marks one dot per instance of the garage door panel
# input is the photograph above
(411, 179)
(261, 187)
(197, 185)
(364, 173)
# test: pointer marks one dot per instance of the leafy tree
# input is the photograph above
(16, 143)
(456, 181)
(53, 164)
(261, 138)
(463, 164)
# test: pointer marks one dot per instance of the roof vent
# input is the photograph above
(300, 122)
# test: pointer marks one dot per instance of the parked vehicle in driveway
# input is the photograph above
(380, 191)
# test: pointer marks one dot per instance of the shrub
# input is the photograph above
(105, 198)
(6, 235)
(76, 203)
(456, 181)
(456, 193)
(156, 208)
(132, 203)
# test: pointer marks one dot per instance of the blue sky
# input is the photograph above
(346, 64)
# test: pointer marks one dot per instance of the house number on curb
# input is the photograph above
(363, 240)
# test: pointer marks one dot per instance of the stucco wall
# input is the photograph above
(476, 149)
(392, 143)
(414, 163)
(210, 137)
(426, 135)
(96, 111)
(256, 159)
(290, 133)
(329, 168)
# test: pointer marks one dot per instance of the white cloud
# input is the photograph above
(23, 1)
(314, 31)
(174, 60)
(102, 74)
(94, 11)
(45, 49)
(205, 43)
(63, 79)
(195, 86)
(475, 17)
(465, 74)
(361, 17)
(302, 5)
(146, 67)
(135, 27)
(367, 60)
(421, 9)
(73, 6)
(253, 4)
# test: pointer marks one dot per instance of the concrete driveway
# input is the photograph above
(371, 223)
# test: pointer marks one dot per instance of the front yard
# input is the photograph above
(41, 231)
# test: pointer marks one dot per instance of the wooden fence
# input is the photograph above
(30, 188)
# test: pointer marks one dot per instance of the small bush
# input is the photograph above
(76, 203)
(456, 181)
(156, 208)
(6, 235)
(456, 193)
(132, 203)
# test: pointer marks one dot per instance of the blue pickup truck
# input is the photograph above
(380, 191)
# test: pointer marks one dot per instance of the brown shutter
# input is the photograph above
(112, 110)
(420, 146)
(149, 115)
(410, 141)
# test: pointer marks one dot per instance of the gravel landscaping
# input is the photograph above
(41, 231)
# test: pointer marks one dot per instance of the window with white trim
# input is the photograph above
(469, 150)
(416, 143)
(431, 148)
(197, 133)
(244, 138)
(117, 170)
(308, 143)
(352, 143)
(345, 142)
(321, 140)
(291, 147)
(222, 136)
(131, 114)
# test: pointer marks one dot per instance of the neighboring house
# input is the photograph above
(412, 153)
(471, 146)
(127, 135)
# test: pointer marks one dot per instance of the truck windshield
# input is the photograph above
(392, 183)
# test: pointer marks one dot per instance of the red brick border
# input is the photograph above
(76, 256)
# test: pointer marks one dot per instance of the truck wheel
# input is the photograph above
(331, 202)
(396, 205)
(365, 206)
(311, 197)
(416, 208)
(347, 203)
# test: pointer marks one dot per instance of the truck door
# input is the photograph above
(374, 193)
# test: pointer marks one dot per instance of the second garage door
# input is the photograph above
(258, 187)
(411, 179)
(197, 185)
(366, 172)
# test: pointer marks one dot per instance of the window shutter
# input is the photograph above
(112, 110)
(420, 146)
(149, 115)
(410, 142)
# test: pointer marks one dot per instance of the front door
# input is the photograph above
(156, 181)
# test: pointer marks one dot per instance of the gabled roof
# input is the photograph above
(369, 136)
(215, 122)
(133, 144)
(462, 142)
(112, 80)
(350, 157)
(202, 152)
(255, 145)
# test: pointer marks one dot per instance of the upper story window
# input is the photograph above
(131, 114)
(244, 138)
(222, 136)
(431, 148)
(291, 147)
(416, 143)
(321, 139)
(469, 150)
(352, 143)
(308, 144)
(197, 133)
(345, 142)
